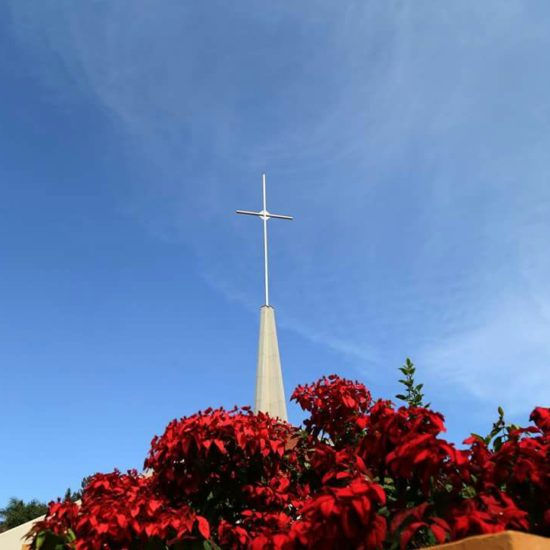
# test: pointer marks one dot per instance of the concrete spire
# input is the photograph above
(270, 392)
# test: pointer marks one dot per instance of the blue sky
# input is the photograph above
(409, 140)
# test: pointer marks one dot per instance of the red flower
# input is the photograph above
(336, 406)
(343, 517)
(487, 513)
(541, 417)
(235, 457)
(119, 509)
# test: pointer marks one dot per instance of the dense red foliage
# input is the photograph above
(359, 474)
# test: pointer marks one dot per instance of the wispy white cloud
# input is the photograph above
(504, 360)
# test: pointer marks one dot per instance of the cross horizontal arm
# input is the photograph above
(248, 212)
(280, 217)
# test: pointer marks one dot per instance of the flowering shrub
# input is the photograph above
(359, 474)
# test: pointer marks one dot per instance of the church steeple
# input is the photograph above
(270, 393)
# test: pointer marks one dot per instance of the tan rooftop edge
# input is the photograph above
(507, 540)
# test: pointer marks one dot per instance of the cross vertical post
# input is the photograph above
(265, 216)
(266, 266)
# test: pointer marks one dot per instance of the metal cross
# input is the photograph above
(265, 215)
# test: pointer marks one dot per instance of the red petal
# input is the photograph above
(204, 527)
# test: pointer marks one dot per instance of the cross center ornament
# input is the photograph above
(265, 215)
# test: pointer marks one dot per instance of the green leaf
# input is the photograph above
(494, 432)
(39, 541)
(46, 540)
(469, 491)
(210, 545)
(431, 540)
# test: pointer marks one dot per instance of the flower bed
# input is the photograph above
(359, 474)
